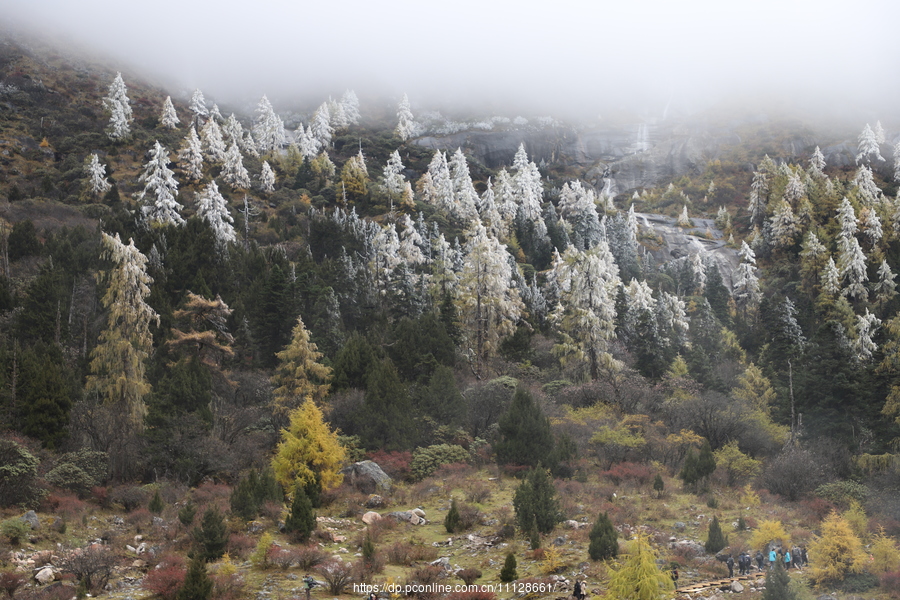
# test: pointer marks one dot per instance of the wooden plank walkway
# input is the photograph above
(717, 583)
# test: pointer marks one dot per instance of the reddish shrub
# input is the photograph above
(890, 584)
(478, 492)
(426, 577)
(212, 493)
(308, 557)
(453, 470)
(240, 545)
(10, 582)
(67, 505)
(817, 508)
(228, 587)
(165, 580)
(140, 517)
(395, 464)
(100, 495)
(628, 473)
(468, 575)
(279, 557)
(271, 510)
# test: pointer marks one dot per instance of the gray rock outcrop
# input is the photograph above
(367, 477)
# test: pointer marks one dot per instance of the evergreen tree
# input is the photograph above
(451, 521)
(320, 127)
(156, 505)
(212, 143)
(604, 539)
(198, 108)
(267, 178)
(197, 583)
(746, 285)
(212, 208)
(778, 584)
(97, 183)
(190, 156)
(119, 107)
(658, 485)
(524, 432)
(233, 170)
(715, 539)
(508, 572)
(168, 118)
(211, 537)
(301, 521)
(385, 420)
(268, 128)
(868, 146)
(535, 500)
(160, 188)
(406, 125)
(299, 374)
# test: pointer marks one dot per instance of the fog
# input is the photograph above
(498, 56)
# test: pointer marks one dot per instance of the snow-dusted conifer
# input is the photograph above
(169, 118)
(863, 345)
(852, 268)
(190, 156)
(759, 196)
(198, 108)
(846, 217)
(267, 178)
(505, 200)
(233, 170)
(268, 129)
(795, 189)
(307, 144)
(869, 192)
(784, 226)
(490, 216)
(212, 208)
(213, 145)
(870, 226)
(897, 162)
(406, 125)
(338, 116)
(879, 133)
(350, 106)
(579, 210)
(320, 126)
(746, 285)
(437, 185)
(465, 198)
(683, 219)
(233, 131)
(885, 289)
(587, 283)
(215, 114)
(160, 189)
(394, 181)
(817, 164)
(411, 243)
(868, 146)
(118, 105)
(831, 278)
(96, 171)
(529, 190)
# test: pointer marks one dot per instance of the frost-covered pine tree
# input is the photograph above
(268, 128)
(868, 146)
(320, 126)
(862, 344)
(879, 133)
(465, 198)
(385, 257)
(233, 131)
(350, 106)
(233, 170)
(587, 284)
(795, 188)
(213, 145)
(96, 173)
(885, 289)
(683, 219)
(198, 109)
(831, 279)
(505, 199)
(190, 156)
(579, 211)
(160, 188)
(437, 185)
(490, 216)
(812, 259)
(528, 190)
(118, 105)
(306, 142)
(723, 219)
(488, 302)
(785, 228)
(759, 197)
(267, 178)
(169, 118)
(870, 226)
(846, 218)
(817, 164)
(406, 125)
(212, 208)
(852, 268)
(869, 192)
(394, 181)
(746, 285)
(215, 114)
(411, 243)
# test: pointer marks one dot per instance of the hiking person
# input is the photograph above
(795, 557)
(772, 558)
(730, 563)
(674, 574)
(803, 556)
(787, 560)
(759, 560)
(578, 592)
(308, 583)
(741, 558)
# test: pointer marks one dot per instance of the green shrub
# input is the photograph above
(535, 501)
(14, 530)
(301, 522)
(715, 539)
(156, 505)
(451, 521)
(426, 461)
(212, 536)
(604, 539)
(843, 492)
(70, 476)
(18, 467)
(508, 572)
(187, 513)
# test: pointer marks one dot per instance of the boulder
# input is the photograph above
(418, 512)
(401, 515)
(736, 587)
(45, 576)
(371, 517)
(415, 519)
(375, 501)
(32, 519)
(367, 477)
(442, 562)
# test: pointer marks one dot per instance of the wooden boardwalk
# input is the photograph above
(692, 588)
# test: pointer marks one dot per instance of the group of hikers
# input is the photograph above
(795, 557)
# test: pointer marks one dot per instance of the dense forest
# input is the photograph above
(197, 299)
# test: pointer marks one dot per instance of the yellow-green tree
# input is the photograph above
(309, 451)
(355, 177)
(856, 517)
(299, 374)
(639, 578)
(769, 531)
(837, 552)
(737, 465)
(885, 554)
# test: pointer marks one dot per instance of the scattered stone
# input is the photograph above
(559, 541)
(118, 521)
(367, 477)
(375, 501)
(736, 587)
(416, 519)
(138, 539)
(32, 519)
(442, 562)
(131, 548)
(418, 512)
(679, 525)
(138, 564)
(255, 527)
(572, 524)
(159, 522)
(339, 539)
(401, 515)
(371, 517)
(45, 576)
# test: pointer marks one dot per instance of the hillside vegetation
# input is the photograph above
(205, 317)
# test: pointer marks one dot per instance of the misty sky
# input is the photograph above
(550, 56)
